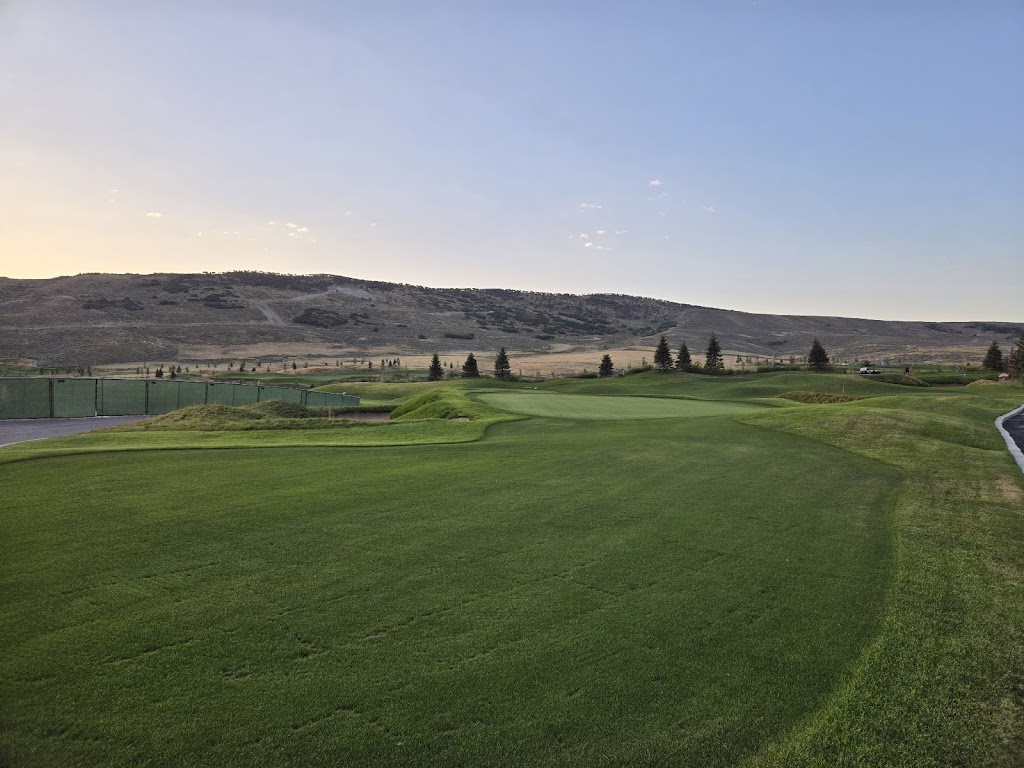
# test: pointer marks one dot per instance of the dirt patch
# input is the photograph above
(1010, 490)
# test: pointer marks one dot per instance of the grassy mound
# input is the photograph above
(818, 398)
(272, 414)
(446, 403)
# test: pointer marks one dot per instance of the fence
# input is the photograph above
(40, 398)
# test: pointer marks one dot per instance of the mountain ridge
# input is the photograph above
(94, 318)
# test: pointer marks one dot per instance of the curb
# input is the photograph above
(1015, 450)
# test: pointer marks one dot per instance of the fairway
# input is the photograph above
(613, 408)
(629, 581)
(438, 605)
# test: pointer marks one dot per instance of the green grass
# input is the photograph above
(805, 585)
(382, 607)
(597, 407)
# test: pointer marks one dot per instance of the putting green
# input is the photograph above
(597, 407)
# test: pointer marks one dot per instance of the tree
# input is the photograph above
(470, 369)
(683, 362)
(502, 368)
(993, 358)
(817, 357)
(606, 368)
(1014, 362)
(662, 355)
(435, 372)
(713, 361)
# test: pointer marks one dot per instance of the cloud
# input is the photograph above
(655, 183)
(621, 231)
(302, 229)
(154, 214)
(292, 225)
(709, 209)
(596, 247)
(584, 206)
(601, 231)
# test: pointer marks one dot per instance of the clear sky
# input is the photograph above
(850, 158)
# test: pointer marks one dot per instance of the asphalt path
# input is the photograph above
(21, 430)
(1015, 427)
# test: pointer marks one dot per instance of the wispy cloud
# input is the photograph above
(709, 209)
(621, 231)
(596, 247)
(154, 214)
(655, 183)
(584, 206)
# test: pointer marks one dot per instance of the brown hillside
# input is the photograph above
(98, 318)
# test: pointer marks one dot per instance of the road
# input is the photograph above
(1015, 427)
(21, 430)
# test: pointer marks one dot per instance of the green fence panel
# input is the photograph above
(74, 398)
(121, 397)
(24, 398)
(220, 394)
(163, 396)
(39, 398)
(245, 394)
(316, 399)
(191, 393)
(287, 394)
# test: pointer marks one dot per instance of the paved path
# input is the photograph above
(20, 430)
(1011, 427)
(1015, 427)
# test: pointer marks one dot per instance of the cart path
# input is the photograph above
(22, 430)
(1012, 429)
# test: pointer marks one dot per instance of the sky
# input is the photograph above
(844, 158)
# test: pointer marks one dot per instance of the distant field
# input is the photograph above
(799, 585)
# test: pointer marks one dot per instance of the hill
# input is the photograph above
(105, 318)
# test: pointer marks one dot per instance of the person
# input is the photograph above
(906, 371)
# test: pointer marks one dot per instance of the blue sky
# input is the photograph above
(861, 159)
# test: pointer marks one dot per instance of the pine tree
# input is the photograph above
(1015, 360)
(435, 372)
(683, 362)
(993, 358)
(470, 369)
(713, 361)
(662, 355)
(606, 368)
(502, 368)
(817, 357)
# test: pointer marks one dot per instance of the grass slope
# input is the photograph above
(543, 597)
(806, 585)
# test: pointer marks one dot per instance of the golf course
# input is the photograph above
(656, 569)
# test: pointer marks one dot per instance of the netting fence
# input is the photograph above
(41, 398)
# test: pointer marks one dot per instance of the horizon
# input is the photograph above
(771, 156)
